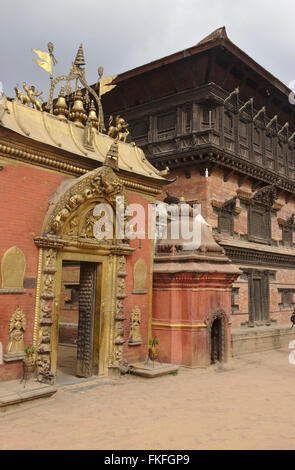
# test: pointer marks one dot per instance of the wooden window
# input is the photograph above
(243, 130)
(291, 157)
(286, 298)
(139, 129)
(268, 143)
(280, 150)
(166, 122)
(287, 235)
(209, 117)
(188, 119)
(228, 123)
(234, 293)
(259, 224)
(225, 223)
(257, 136)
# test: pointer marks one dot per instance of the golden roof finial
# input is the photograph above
(78, 113)
(80, 61)
(60, 108)
(92, 115)
(112, 157)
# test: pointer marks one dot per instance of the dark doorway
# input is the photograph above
(79, 319)
(216, 344)
(258, 308)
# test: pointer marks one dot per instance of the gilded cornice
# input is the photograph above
(41, 160)
(80, 143)
(67, 168)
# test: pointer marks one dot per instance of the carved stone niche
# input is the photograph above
(139, 277)
(13, 267)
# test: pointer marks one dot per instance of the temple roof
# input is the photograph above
(218, 37)
(62, 134)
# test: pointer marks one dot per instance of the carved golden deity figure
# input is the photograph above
(17, 326)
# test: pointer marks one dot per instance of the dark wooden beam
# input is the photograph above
(175, 81)
(187, 172)
(288, 196)
(242, 179)
(257, 184)
(202, 166)
(122, 97)
(227, 173)
(210, 66)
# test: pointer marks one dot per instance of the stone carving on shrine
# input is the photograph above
(135, 335)
(17, 327)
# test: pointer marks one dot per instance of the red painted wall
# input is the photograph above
(24, 193)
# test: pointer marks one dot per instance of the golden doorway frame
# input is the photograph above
(68, 235)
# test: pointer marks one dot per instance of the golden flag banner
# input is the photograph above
(104, 84)
(45, 62)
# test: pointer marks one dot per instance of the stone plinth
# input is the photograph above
(192, 300)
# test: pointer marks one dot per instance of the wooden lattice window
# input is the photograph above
(166, 122)
(259, 219)
(287, 235)
(243, 130)
(268, 143)
(209, 116)
(225, 222)
(257, 136)
(228, 122)
(188, 119)
(280, 150)
(234, 293)
(286, 298)
(139, 129)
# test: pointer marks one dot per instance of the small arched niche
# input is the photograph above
(13, 267)
(139, 277)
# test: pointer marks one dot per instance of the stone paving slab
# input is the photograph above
(151, 370)
(14, 392)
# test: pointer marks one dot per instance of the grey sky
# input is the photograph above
(121, 35)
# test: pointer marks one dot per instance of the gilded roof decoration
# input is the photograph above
(70, 126)
(69, 136)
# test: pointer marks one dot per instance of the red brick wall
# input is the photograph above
(136, 353)
(215, 188)
(24, 192)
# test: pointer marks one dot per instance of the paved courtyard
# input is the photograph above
(246, 404)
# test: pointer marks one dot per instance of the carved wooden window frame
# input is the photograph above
(234, 307)
(228, 129)
(139, 123)
(169, 128)
(265, 212)
(287, 297)
(264, 276)
(227, 211)
(210, 120)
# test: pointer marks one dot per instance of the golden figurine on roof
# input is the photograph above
(120, 130)
(30, 97)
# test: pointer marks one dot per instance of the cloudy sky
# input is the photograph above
(121, 35)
